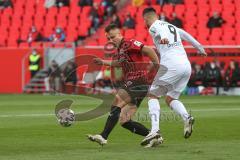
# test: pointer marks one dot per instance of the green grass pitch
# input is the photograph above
(29, 131)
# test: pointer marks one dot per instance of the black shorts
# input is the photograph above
(137, 90)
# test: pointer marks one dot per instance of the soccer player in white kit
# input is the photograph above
(173, 74)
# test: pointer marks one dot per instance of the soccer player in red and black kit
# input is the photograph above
(134, 88)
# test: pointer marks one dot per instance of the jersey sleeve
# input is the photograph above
(136, 46)
(187, 37)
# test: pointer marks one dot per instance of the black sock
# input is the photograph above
(136, 127)
(111, 121)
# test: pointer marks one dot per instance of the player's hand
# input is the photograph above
(202, 53)
(164, 41)
(98, 61)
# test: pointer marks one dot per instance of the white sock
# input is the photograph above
(154, 113)
(180, 109)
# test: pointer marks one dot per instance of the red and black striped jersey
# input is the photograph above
(131, 59)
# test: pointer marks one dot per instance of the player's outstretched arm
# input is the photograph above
(113, 63)
(187, 37)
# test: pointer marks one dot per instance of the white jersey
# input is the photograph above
(173, 78)
(171, 54)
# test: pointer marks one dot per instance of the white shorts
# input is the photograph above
(171, 81)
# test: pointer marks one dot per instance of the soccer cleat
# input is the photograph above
(97, 138)
(154, 142)
(188, 127)
(149, 137)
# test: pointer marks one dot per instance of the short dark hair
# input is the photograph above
(148, 10)
(111, 27)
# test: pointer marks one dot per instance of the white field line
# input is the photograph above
(161, 100)
(49, 115)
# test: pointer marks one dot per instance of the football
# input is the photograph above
(65, 117)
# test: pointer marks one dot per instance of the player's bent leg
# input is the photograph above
(122, 98)
(125, 120)
(180, 109)
(113, 117)
(127, 113)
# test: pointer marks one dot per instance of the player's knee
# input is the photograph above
(118, 102)
(123, 119)
(168, 100)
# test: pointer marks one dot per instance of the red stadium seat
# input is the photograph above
(74, 3)
(15, 22)
(5, 22)
(140, 38)
(180, 10)
(227, 3)
(141, 32)
(8, 11)
(229, 42)
(132, 10)
(83, 31)
(48, 31)
(86, 10)
(237, 38)
(75, 10)
(216, 32)
(2, 42)
(72, 34)
(168, 9)
(203, 40)
(149, 41)
(36, 44)
(190, 2)
(129, 33)
(153, 2)
(102, 40)
(216, 8)
(24, 45)
(48, 44)
(203, 33)
(228, 33)
(140, 10)
(52, 11)
(191, 9)
(93, 42)
(12, 43)
(214, 2)
(157, 8)
(64, 10)
(214, 41)
(41, 10)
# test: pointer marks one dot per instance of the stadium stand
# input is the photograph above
(15, 22)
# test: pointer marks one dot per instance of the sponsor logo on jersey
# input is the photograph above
(175, 44)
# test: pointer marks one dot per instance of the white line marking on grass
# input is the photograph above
(193, 110)
(26, 115)
(213, 110)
